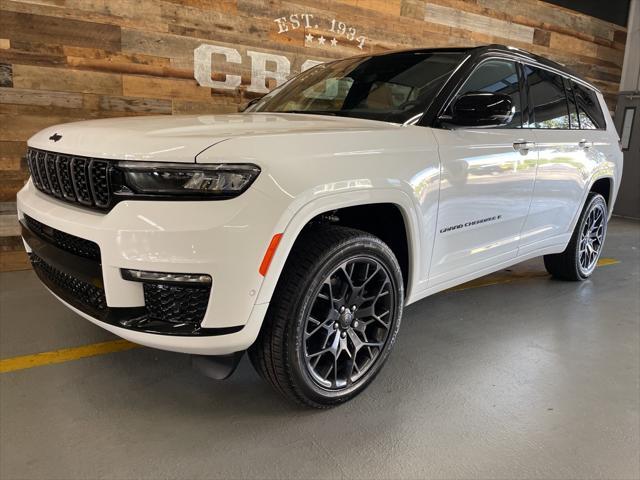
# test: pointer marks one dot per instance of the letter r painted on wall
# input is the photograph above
(259, 72)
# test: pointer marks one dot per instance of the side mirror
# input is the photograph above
(481, 109)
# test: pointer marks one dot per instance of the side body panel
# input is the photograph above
(571, 161)
(310, 174)
(564, 170)
(485, 193)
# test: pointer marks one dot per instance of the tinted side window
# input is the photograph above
(549, 100)
(571, 101)
(497, 76)
(589, 110)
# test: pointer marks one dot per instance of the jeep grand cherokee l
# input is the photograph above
(299, 229)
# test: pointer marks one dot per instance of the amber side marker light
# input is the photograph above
(271, 250)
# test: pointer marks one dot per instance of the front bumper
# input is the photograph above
(223, 239)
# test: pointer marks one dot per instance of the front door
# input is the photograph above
(487, 177)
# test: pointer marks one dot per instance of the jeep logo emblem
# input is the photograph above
(55, 137)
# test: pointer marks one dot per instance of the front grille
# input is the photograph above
(79, 180)
(65, 241)
(88, 295)
(176, 304)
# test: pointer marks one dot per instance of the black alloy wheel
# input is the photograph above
(348, 323)
(333, 318)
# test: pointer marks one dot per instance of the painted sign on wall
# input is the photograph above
(203, 68)
(321, 33)
(335, 29)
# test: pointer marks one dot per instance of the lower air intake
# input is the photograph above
(88, 295)
(176, 304)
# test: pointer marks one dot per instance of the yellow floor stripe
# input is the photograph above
(603, 262)
(519, 272)
(76, 353)
(64, 355)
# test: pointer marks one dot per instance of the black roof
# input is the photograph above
(526, 55)
(497, 48)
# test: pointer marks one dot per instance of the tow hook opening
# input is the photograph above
(217, 367)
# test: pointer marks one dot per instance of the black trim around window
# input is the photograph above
(477, 56)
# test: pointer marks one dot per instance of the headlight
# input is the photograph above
(185, 180)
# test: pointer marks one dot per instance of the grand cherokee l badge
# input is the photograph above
(471, 223)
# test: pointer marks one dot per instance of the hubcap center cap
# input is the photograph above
(345, 319)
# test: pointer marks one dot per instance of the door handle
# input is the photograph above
(523, 147)
(585, 144)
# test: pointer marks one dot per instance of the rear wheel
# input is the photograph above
(581, 256)
(333, 319)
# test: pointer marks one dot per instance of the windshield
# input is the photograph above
(392, 88)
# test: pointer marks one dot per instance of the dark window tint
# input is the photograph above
(497, 76)
(573, 109)
(589, 110)
(393, 87)
(549, 99)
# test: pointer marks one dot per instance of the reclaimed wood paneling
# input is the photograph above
(454, 17)
(76, 59)
(58, 31)
(66, 80)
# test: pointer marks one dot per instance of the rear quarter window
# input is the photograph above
(573, 108)
(589, 111)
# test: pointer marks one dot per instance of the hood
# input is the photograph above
(180, 138)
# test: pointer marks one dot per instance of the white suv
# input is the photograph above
(299, 228)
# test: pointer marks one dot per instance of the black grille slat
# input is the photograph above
(33, 168)
(65, 241)
(85, 293)
(99, 181)
(63, 167)
(80, 178)
(42, 172)
(52, 174)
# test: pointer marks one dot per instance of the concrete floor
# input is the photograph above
(529, 379)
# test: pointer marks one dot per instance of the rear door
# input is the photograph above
(567, 154)
(487, 177)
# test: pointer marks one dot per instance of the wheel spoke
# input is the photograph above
(320, 352)
(355, 340)
(316, 329)
(368, 277)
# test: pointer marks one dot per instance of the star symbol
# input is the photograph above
(334, 42)
(321, 40)
(308, 37)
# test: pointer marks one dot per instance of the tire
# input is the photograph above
(580, 258)
(312, 317)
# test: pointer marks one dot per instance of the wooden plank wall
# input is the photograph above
(65, 60)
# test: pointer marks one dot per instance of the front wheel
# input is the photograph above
(580, 258)
(333, 319)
